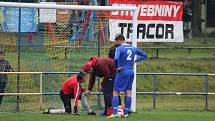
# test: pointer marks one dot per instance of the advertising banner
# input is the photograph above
(158, 21)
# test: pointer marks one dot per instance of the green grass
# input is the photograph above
(139, 116)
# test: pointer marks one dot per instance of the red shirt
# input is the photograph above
(70, 86)
(104, 67)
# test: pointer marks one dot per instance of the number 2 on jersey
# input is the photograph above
(129, 52)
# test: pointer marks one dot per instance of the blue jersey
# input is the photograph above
(124, 58)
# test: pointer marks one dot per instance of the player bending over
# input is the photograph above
(102, 67)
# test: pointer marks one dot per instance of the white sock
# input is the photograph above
(85, 104)
(57, 111)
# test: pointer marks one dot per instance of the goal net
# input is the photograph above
(52, 37)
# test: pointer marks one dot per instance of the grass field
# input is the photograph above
(139, 116)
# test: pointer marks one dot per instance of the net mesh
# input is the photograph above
(56, 45)
(23, 84)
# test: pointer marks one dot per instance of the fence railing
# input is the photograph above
(156, 49)
(154, 93)
(41, 93)
(189, 50)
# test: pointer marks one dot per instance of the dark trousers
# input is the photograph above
(66, 99)
(3, 83)
(108, 93)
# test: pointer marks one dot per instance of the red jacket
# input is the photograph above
(103, 67)
(71, 85)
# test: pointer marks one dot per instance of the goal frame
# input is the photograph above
(87, 7)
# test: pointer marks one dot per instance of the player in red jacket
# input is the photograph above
(102, 67)
(71, 89)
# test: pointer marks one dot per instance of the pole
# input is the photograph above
(205, 26)
(99, 81)
(71, 7)
(154, 91)
(41, 91)
(203, 18)
(134, 43)
(18, 62)
(206, 93)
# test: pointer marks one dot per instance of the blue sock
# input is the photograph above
(127, 104)
(115, 104)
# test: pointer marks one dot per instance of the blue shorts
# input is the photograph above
(123, 82)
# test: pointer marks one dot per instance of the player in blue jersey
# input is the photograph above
(124, 61)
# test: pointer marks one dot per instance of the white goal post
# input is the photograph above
(84, 7)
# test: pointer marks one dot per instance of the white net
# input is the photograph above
(49, 40)
(20, 91)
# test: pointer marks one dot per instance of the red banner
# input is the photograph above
(149, 10)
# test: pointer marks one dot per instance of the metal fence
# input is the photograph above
(154, 93)
(157, 50)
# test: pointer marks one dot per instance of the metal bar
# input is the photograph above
(139, 47)
(177, 47)
(206, 92)
(99, 81)
(134, 43)
(18, 63)
(57, 93)
(88, 47)
(41, 90)
(176, 74)
(98, 43)
(59, 72)
(21, 72)
(211, 74)
(154, 91)
(72, 7)
(99, 93)
(17, 94)
(189, 53)
(211, 93)
(96, 93)
(157, 53)
(176, 93)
